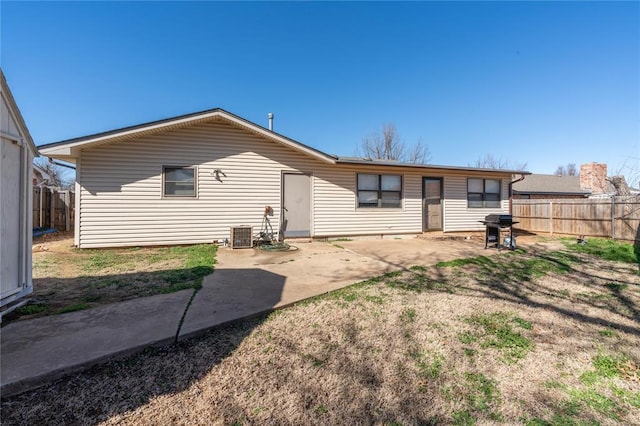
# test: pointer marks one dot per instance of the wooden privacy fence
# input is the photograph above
(53, 208)
(616, 217)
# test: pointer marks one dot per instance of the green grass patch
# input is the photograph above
(479, 260)
(482, 392)
(467, 338)
(605, 366)
(418, 268)
(470, 352)
(480, 395)
(348, 294)
(31, 309)
(462, 418)
(608, 333)
(378, 300)
(626, 396)
(197, 262)
(514, 266)
(103, 276)
(608, 366)
(618, 251)
(408, 315)
(418, 282)
(496, 330)
(596, 401)
(522, 323)
(73, 308)
(559, 419)
(553, 384)
(549, 263)
(430, 369)
(321, 409)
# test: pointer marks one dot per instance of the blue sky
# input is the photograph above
(544, 83)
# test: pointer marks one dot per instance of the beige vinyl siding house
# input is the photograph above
(189, 179)
(16, 168)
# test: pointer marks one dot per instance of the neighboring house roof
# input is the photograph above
(69, 149)
(43, 175)
(16, 115)
(549, 185)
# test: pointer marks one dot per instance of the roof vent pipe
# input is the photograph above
(270, 117)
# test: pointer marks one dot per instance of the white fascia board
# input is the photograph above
(71, 149)
(131, 132)
(56, 151)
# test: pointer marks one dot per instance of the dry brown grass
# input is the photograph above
(516, 339)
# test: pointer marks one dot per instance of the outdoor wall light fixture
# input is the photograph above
(217, 173)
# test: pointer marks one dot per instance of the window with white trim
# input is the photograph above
(483, 193)
(179, 181)
(379, 191)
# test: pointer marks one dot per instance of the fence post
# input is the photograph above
(67, 224)
(550, 217)
(41, 215)
(52, 212)
(613, 217)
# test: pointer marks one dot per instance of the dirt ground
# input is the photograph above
(537, 337)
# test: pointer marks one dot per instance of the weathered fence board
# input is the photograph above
(617, 217)
(53, 208)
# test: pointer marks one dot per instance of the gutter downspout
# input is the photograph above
(520, 179)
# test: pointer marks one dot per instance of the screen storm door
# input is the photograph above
(432, 204)
(296, 205)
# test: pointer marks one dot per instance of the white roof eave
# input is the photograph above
(73, 148)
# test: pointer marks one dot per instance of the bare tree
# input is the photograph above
(388, 145)
(490, 162)
(568, 170)
(630, 169)
(55, 172)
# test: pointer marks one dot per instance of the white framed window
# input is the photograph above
(379, 191)
(179, 181)
(483, 193)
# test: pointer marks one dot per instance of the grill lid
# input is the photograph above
(498, 218)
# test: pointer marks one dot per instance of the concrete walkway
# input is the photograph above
(245, 283)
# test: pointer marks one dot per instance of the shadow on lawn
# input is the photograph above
(119, 386)
(53, 296)
(512, 279)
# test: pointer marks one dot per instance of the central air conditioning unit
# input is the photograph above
(241, 237)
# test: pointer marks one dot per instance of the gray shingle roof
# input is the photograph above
(549, 184)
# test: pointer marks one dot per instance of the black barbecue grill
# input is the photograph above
(495, 223)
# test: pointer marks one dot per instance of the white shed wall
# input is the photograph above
(16, 199)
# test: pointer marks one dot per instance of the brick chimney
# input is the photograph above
(593, 177)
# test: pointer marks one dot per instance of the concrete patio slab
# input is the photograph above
(245, 283)
(407, 252)
(43, 349)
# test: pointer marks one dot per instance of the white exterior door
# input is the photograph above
(296, 205)
(432, 204)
